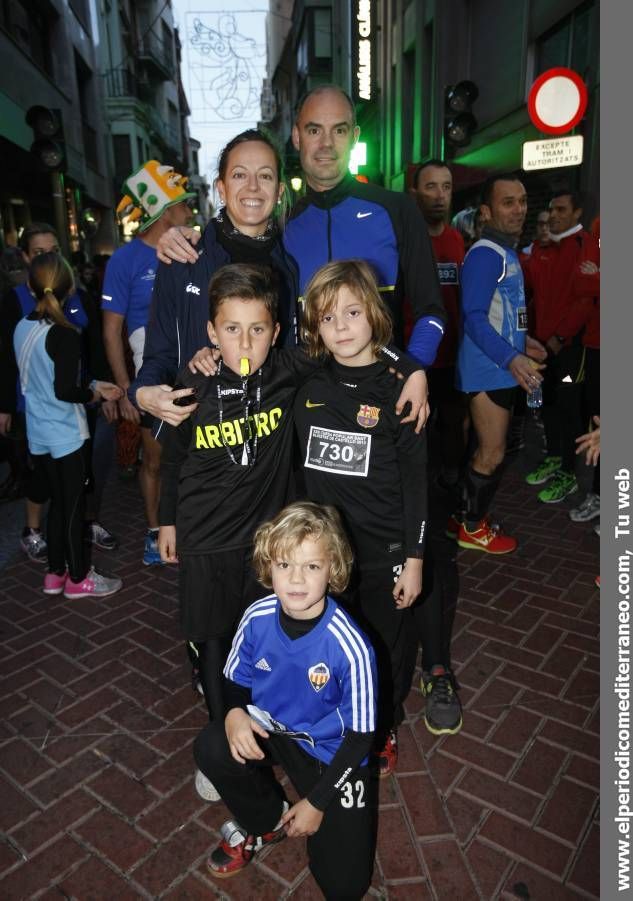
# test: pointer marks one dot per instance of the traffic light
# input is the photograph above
(459, 122)
(48, 133)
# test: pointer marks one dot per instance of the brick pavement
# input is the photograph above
(97, 720)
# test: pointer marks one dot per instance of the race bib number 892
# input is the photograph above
(345, 453)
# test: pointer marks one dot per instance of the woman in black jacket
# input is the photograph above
(246, 230)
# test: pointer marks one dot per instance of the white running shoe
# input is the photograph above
(205, 788)
(588, 509)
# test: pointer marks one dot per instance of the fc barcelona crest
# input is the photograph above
(368, 416)
(319, 676)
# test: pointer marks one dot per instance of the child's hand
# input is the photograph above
(106, 391)
(205, 361)
(409, 584)
(416, 393)
(302, 819)
(110, 410)
(167, 544)
(240, 732)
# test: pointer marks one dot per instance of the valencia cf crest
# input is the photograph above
(319, 676)
(368, 416)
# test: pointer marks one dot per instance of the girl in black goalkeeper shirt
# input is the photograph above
(358, 456)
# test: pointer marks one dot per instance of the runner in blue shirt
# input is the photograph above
(155, 196)
(496, 356)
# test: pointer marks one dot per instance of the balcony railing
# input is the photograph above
(168, 134)
(121, 83)
(158, 54)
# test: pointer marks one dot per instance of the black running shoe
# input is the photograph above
(443, 710)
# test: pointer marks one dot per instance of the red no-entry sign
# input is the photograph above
(557, 100)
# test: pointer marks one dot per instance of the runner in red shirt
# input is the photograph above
(433, 189)
(563, 301)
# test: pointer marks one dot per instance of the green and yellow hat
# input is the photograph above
(149, 191)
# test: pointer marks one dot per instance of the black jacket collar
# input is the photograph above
(498, 237)
(327, 199)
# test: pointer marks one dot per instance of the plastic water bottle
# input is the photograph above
(535, 398)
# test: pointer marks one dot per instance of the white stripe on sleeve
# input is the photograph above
(357, 654)
(263, 607)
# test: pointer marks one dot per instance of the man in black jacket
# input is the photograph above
(341, 218)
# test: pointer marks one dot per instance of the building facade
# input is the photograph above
(145, 101)
(49, 53)
(398, 59)
(109, 70)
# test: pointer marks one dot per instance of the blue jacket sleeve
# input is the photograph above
(483, 267)
(425, 340)
(161, 353)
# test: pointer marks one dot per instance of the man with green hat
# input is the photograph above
(155, 197)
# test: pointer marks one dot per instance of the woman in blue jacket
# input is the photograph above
(251, 188)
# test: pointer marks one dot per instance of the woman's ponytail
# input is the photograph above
(51, 280)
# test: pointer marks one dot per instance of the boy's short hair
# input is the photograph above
(322, 292)
(247, 281)
(294, 524)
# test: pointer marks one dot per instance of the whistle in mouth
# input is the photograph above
(245, 367)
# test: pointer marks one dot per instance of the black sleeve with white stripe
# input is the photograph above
(354, 747)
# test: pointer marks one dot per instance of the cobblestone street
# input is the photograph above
(98, 718)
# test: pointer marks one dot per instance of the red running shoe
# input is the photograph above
(237, 849)
(452, 527)
(486, 537)
(388, 757)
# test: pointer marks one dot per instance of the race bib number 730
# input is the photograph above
(345, 453)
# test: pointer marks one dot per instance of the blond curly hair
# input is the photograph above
(292, 525)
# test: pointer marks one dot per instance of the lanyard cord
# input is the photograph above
(251, 437)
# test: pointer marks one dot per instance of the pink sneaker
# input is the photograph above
(95, 585)
(54, 584)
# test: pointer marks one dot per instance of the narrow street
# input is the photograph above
(98, 718)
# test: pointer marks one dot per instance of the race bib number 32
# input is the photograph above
(345, 453)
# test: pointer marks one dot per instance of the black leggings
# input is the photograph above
(209, 657)
(66, 477)
(341, 851)
(562, 404)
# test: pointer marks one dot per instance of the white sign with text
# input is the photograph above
(552, 153)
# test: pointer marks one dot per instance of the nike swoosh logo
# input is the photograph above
(75, 311)
(310, 405)
(362, 215)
